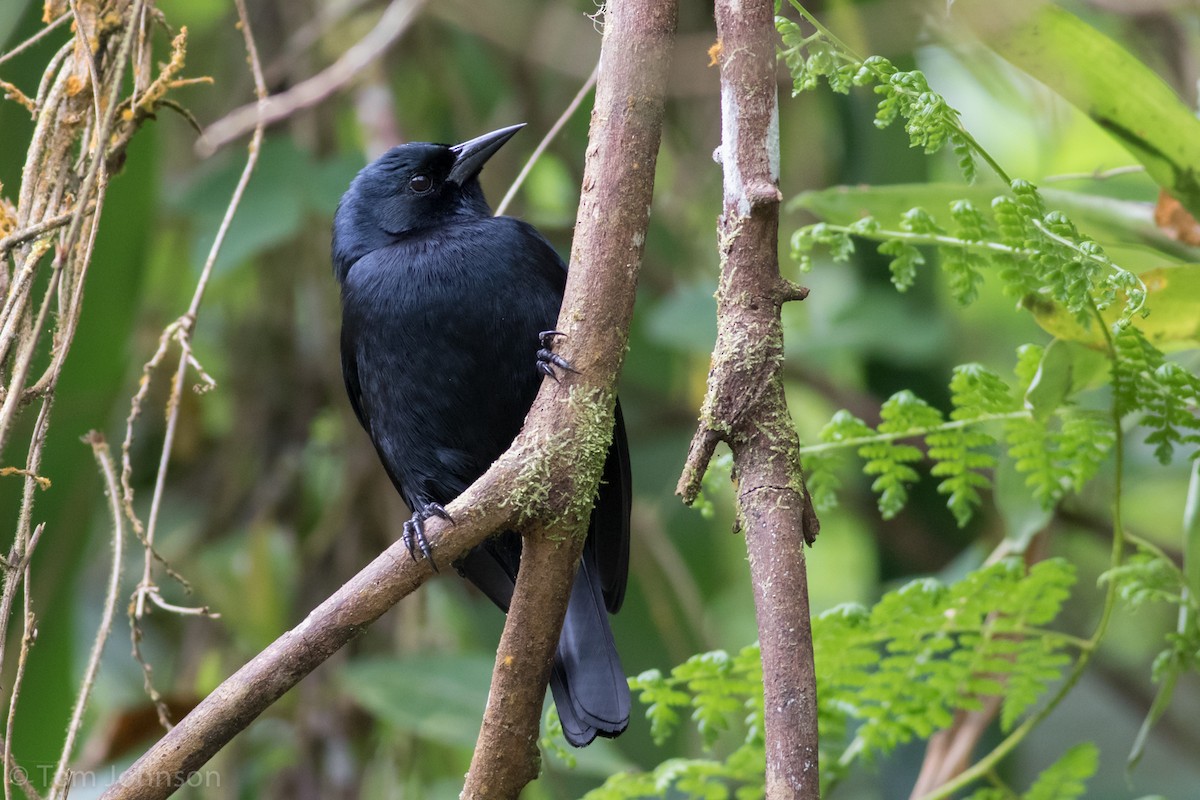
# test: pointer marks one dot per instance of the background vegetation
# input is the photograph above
(275, 496)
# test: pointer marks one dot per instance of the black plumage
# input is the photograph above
(446, 318)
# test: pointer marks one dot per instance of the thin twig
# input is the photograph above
(328, 15)
(37, 37)
(33, 231)
(24, 359)
(1096, 175)
(24, 540)
(58, 788)
(28, 635)
(181, 331)
(186, 324)
(547, 139)
(395, 20)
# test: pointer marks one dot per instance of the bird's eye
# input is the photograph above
(420, 183)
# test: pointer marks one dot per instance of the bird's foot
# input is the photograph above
(414, 531)
(547, 359)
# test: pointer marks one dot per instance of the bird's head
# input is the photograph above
(411, 187)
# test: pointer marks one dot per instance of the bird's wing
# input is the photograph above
(350, 376)
(610, 519)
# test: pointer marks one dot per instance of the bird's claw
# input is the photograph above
(414, 531)
(547, 359)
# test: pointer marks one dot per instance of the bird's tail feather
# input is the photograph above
(587, 681)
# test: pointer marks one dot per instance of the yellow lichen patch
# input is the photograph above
(75, 85)
(8, 216)
(53, 9)
(714, 53)
(168, 76)
(11, 92)
(42, 481)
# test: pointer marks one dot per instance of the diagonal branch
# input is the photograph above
(745, 404)
(240, 699)
(561, 451)
(395, 20)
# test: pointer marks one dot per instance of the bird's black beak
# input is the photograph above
(469, 157)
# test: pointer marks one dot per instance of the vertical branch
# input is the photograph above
(59, 787)
(506, 755)
(745, 404)
(606, 254)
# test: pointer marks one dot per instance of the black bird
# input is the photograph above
(447, 317)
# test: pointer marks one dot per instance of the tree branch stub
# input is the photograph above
(745, 405)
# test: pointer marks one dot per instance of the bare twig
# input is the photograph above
(37, 37)
(58, 787)
(572, 107)
(11, 774)
(745, 405)
(396, 19)
(33, 231)
(63, 186)
(180, 331)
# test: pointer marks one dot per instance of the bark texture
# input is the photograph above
(745, 404)
(572, 421)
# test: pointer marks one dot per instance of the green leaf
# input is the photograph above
(1051, 383)
(904, 263)
(1066, 778)
(1172, 320)
(1173, 303)
(435, 697)
(1096, 74)
(1023, 515)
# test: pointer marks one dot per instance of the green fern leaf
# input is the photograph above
(904, 263)
(1066, 778)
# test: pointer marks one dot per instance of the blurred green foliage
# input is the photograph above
(276, 498)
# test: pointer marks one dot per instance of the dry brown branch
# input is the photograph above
(33, 231)
(745, 404)
(51, 235)
(236, 703)
(180, 332)
(396, 19)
